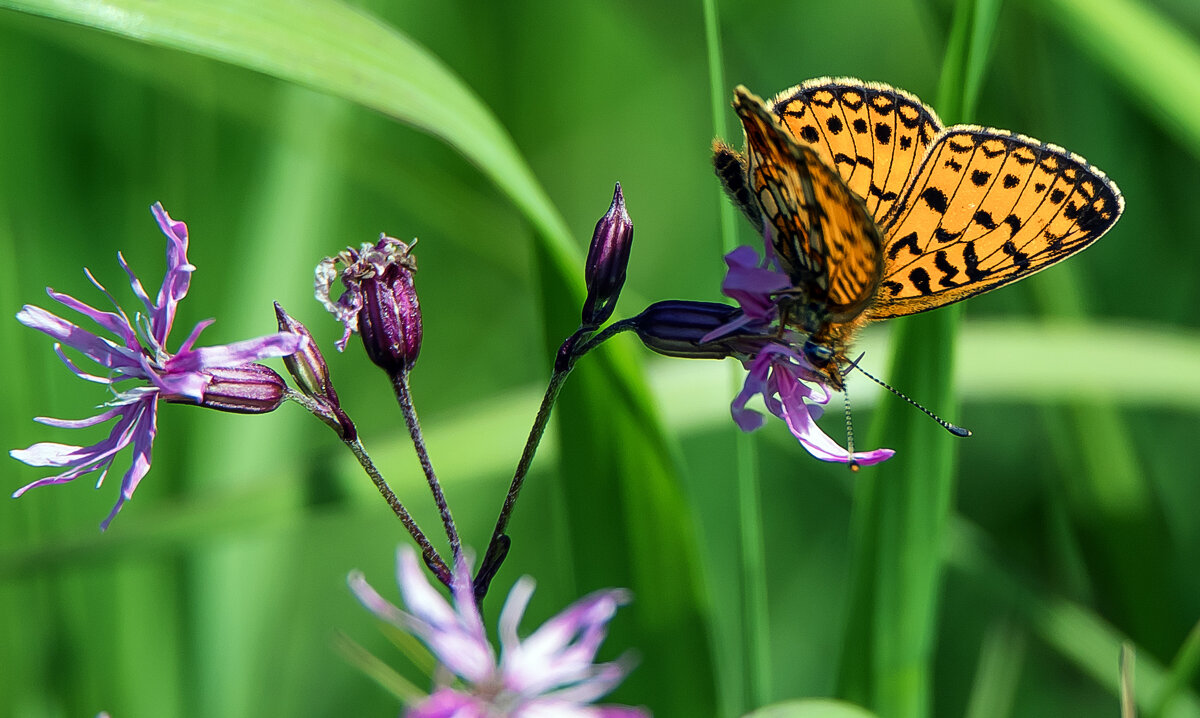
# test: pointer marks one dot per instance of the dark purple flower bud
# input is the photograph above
(380, 302)
(607, 258)
(679, 328)
(242, 389)
(307, 366)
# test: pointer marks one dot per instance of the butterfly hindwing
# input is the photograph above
(985, 208)
(822, 234)
(872, 134)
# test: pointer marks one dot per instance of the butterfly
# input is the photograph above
(875, 210)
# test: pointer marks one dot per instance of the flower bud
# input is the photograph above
(243, 389)
(380, 302)
(608, 256)
(307, 366)
(677, 328)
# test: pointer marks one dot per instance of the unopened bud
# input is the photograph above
(307, 366)
(677, 328)
(243, 389)
(380, 301)
(608, 256)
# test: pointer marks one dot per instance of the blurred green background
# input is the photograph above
(220, 589)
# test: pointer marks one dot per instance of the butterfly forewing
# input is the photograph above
(985, 208)
(824, 238)
(873, 135)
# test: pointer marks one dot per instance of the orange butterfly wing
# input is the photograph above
(873, 135)
(963, 210)
(825, 240)
(986, 208)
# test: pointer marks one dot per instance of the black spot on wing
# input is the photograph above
(860, 126)
(909, 241)
(1010, 181)
(876, 191)
(1092, 221)
(948, 270)
(892, 287)
(883, 133)
(1057, 196)
(834, 124)
(1014, 224)
(1039, 187)
(905, 142)
(979, 178)
(920, 279)
(954, 164)
(983, 219)
(991, 154)
(809, 134)
(935, 199)
(971, 260)
(1019, 258)
(945, 237)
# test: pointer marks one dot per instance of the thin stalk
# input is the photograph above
(569, 353)
(404, 396)
(498, 545)
(756, 619)
(432, 559)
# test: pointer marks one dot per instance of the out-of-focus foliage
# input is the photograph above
(220, 589)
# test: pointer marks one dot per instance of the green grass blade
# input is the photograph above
(1149, 54)
(341, 50)
(1084, 638)
(751, 676)
(998, 673)
(811, 708)
(902, 507)
(1182, 672)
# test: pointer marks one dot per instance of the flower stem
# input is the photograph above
(569, 352)
(498, 546)
(609, 332)
(435, 562)
(404, 396)
(432, 559)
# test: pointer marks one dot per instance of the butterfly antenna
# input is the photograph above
(952, 428)
(851, 464)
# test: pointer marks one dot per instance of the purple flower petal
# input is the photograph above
(751, 285)
(455, 635)
(243, 352)
(551, 673)
(178, 277)
(789, 390)
(560, 652)
(115, 322)
(134, 357)
(100, 350)
(449, 703)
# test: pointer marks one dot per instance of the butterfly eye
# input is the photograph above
(817, 354)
